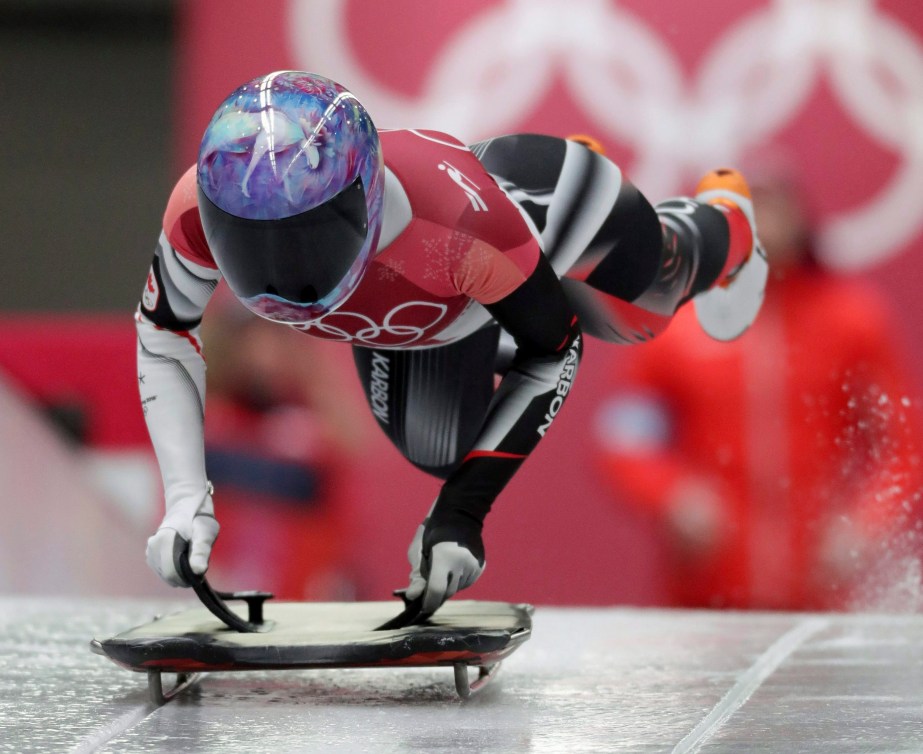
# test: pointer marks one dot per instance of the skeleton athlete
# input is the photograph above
(441, 265)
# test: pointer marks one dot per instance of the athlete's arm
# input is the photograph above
(171, 378)
(528, 398)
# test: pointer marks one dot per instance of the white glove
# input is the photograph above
(438, 574)
(191, 521)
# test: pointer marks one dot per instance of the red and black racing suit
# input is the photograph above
(522, 237)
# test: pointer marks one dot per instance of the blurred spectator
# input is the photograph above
(278, 445)
(780, 464)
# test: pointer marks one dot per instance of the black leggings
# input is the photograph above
(431, 402)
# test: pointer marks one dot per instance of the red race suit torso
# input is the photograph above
(466, 243)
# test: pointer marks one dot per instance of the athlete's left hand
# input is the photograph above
(445, 557)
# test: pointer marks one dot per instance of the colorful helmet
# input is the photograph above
(290, 183)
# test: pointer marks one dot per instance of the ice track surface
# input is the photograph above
(589, 680)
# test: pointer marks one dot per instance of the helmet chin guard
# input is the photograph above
(290, 184)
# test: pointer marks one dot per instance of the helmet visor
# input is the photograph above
(300, 259)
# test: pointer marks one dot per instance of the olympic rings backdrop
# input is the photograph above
(671, 88)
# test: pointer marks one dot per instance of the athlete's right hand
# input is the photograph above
(191, 523)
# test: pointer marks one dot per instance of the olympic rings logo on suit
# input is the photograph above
(631, 85)
(325, 326)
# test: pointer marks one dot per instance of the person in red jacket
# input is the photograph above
(778, 463)
(442, 265)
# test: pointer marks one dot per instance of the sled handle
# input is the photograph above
(215, 601)
(412, 614)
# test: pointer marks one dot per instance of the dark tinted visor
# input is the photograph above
(300, 258)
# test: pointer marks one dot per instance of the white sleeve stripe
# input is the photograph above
(183, 268)
(186, 293)
(197, 270)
